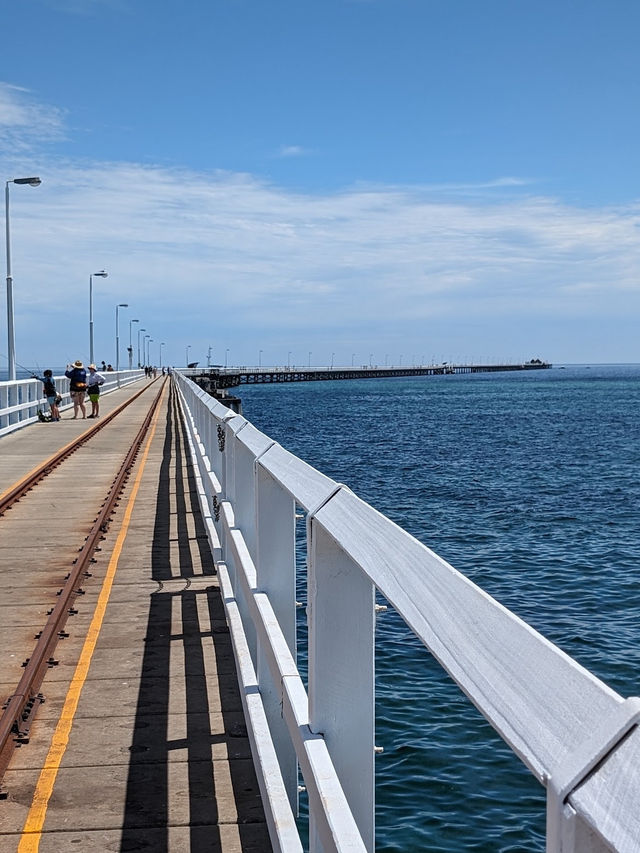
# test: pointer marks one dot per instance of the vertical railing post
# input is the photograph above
(276, 576)
(341, 605)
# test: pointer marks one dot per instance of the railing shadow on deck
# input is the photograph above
(187, 661)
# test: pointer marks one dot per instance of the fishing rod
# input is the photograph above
(22, 367)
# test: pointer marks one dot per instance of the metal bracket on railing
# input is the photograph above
(216, 508)
(221, 438)
(576, 766)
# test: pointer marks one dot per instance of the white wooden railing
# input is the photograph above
(21, 399)
(577, 736)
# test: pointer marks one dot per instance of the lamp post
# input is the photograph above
(332, 357)
(260, 358)
(120, 305)
(102, 274)
(139, 330)
(289, 360)
(226, 353)
(309, 359)
(161, 345)
(11, 343)
(186, 364)
(131, 344)
(144, 350)
(209, 357)
(149, 342)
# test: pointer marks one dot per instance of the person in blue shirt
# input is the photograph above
(77, 376)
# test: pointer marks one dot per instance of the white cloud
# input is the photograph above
(229, 260)
(24, 123)
(292, 151)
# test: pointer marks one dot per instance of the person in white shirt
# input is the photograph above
(94, 381)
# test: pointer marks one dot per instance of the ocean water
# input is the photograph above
(528, 484)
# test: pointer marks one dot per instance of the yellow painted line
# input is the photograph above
(32, 830)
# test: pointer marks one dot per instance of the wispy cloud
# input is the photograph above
(24, 123)
(219, 254)
(292, 151)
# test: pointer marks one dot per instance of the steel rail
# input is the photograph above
(21, 706)
(19, 489)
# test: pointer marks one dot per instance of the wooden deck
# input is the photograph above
(141, 742)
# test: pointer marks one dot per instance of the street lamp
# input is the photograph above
(332, 357)
(161, 345)
(144, 350)
(11, 343)
(140, 330)
(149, 342)
(131, 345)
(309, 359)
(226, 353)
(102, 274)
(289, 359)
(260, 358)
(120, 305)
(186, 364)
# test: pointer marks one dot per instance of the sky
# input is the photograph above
(323, 181)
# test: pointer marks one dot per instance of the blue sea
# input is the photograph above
(529, 484)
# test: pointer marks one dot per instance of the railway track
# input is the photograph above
(52, 487)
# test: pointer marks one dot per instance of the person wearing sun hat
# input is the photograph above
(94, 381)
(77, 376)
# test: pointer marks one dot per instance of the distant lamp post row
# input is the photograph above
(11, 343)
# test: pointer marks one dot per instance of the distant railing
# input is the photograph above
(21, 399)
(577, 736)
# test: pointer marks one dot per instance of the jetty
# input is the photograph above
(149, 575)
(219, 378)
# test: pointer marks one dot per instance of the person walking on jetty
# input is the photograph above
(49, 390)
(94, 381)
(77, 376)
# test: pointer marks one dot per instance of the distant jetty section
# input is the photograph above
(216, 380)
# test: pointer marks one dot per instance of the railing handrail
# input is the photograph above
(20, 399)
(557, 717)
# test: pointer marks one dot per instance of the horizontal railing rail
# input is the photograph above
(577, 736)
(21, 399)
